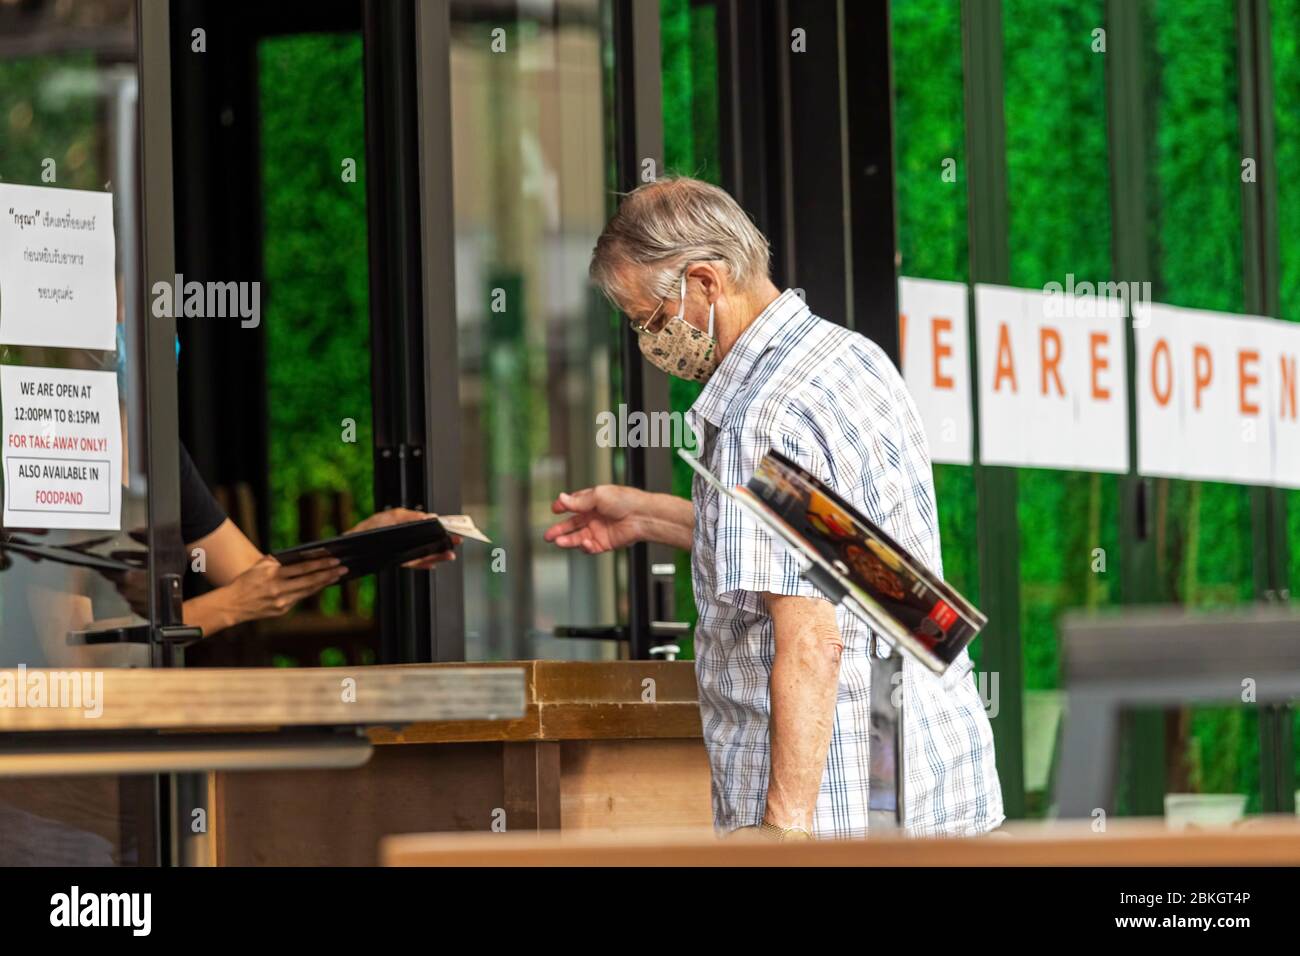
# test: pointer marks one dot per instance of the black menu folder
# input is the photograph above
(365, 552)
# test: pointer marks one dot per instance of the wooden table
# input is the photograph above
(601, 746)
(1261, 841)
(202, 699)
(75, 744)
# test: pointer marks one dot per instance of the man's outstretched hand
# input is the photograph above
(601, 519)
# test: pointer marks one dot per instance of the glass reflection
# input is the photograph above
(68, 108)
(537, 351)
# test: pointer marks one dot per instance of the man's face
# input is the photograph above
(642, 309)
(647, 313)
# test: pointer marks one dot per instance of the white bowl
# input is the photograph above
(1203, 809)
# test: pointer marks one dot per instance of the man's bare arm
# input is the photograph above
(670, 520)
(805, 680)
(608, 517)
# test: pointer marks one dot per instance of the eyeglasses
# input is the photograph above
(659, 318)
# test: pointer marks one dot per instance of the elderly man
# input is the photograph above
(783, 674)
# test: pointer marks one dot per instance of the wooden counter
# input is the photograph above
(257, 698)
(78, 747)
(578, 700)
(602, 746)
(1261, 841)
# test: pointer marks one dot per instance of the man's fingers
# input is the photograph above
(566, 527)
(583, 500)
(566, 540)
(579, 539)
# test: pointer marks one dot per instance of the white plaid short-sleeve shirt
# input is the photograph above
(832, 401)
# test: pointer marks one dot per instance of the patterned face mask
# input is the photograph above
(679, 348)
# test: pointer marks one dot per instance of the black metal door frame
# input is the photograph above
(638, 147)
(411, 305)
(1261, 256)
(806, 143)
(166, 550)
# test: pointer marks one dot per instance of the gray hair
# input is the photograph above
(664, 226)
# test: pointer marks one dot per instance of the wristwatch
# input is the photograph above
(784, 834)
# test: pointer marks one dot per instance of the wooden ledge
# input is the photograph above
(255, 698)
(1261, 841)
(579, 700)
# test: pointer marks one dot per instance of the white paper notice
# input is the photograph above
(936, 363)
(62, 448)
(1051, 380)
(1217, 397)
(58, 284)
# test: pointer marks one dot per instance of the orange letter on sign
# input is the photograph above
(1005, 368)
(1050, 362)
(1288, 385)
(1202, 371)
(1162, 348)
(1246, 380)
(1099, 364)
(942, 350)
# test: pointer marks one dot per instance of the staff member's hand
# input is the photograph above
(270, 588)
(392, 516)
(603, 518)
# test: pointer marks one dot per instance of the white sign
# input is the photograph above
(934, 344)
(1052, 380)
(1217, 397)
(62, 448)
(58, 284)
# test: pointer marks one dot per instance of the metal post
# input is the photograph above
(441, 391)
(996, 488)
(1143, 777)
(1260, 259)
(166, 550)
(885, 794)
(638, 126)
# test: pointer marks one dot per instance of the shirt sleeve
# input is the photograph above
(749, 559)
(200, 513)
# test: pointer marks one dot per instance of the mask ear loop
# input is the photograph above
(682, 313)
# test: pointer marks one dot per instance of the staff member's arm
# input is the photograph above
(804, 684)
(251, 585)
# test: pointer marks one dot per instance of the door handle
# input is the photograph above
(665, 632)
(174, 635)
(600, 632)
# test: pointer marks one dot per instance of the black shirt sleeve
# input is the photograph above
(200, 513)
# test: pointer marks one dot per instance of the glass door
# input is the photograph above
(538, 355)
(74, 550)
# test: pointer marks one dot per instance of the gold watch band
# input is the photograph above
(784, 834)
